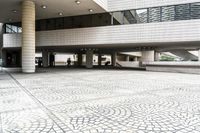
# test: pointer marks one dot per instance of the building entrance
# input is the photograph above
(13, 59)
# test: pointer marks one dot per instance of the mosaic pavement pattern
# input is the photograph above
(99, 101)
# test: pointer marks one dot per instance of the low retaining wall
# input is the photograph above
(12, 69)
(178, 67)
(129, 63)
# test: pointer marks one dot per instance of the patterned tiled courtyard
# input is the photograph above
(99, 101)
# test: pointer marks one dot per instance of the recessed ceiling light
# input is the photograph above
(9, 19)
(44, 6)
(91, 10)
(78, 2)
(60, 13)
(14, 11)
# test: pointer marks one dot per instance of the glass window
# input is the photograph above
(77, 22)
(38, 28)
(168, 13)
(7, 29)
(154, 14)
(14, 28)
(50, 24)
(130, 17)
(141, 16)
(195, 11)
(86, 20)
(118, 18)
(42, 25)
(104, 19)
(67, 22)
(59, 23)
(98, 20)
(182, 12)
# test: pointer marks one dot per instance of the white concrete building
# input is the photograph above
(100, 27)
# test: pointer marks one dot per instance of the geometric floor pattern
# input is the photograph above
(99, 101)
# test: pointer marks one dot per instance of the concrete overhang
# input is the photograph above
(11, 9)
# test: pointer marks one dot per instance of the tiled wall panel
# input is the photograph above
(175, 31)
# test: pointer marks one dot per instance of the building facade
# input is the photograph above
(98, 27)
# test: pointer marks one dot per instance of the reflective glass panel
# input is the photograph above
(141, 16)
(195, 11)
(182, 12)
(154, 14)
(168, 13)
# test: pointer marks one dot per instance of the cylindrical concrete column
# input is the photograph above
(114, 59)
(89, 59)
(127, 58)
(28, 36)
(135, 58)
(45, 58)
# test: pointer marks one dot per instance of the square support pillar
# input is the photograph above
(80, 59)
(156, 56)
(114, 59)
(127, 58)
(45, 58)
(89, 59)
(135, 58)
(99, 59)
(147, 56)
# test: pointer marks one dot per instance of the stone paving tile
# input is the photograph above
(99, 101)
(12, 97)
(26, 121)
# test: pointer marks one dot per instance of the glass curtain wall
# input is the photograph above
(195, 11)
(154, 14)
(182, 12)
(134, 16)
(157, 14)
(168, 13)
